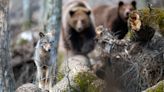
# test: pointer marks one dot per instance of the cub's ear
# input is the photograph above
(134, 3)
(71, 12)
(41, 34)
(120, 3)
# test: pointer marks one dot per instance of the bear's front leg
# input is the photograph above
(88, 46)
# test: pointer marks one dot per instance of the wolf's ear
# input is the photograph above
(41, 34)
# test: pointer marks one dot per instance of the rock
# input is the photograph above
(75, 64)
(159, 87)
(77, 76)
(29, 87)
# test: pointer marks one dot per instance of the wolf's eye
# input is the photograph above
(51, 42)
(44, 42)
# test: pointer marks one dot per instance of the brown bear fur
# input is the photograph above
(78, 28)
(114, 18)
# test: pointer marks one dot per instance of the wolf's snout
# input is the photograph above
(49, 50)
(47, 47)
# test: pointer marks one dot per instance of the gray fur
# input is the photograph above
(44, 61)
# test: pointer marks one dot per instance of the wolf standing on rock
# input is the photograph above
(44, 61)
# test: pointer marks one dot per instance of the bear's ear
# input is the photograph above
(71, 12)
(134, 4)
(120, 3)
(41, 34)
(88, 12)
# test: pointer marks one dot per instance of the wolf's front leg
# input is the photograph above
(39, 78)
(51, 78)
(47, 78)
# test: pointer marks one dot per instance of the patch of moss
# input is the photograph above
(158, 88)
(59, 76)
(60, 59)
(153, 17)
(85, 81)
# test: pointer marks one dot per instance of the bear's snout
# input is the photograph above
(80, 29)
(79, 26)
(127, 14)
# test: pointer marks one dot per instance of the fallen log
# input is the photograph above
(128, 66)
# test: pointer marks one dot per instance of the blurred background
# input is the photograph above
(26, 19)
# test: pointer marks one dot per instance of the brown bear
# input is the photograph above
(114, 18)
(78, 28)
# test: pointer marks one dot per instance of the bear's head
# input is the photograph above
(125, 8)
(79, 18)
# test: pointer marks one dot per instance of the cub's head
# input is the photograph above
(79, 18)
(125, 8)
(46, 42)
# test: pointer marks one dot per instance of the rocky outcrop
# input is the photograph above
(29, 87)
(74, 75)
(159, 87)
(77, 76)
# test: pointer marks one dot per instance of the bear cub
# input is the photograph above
(114, 18)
